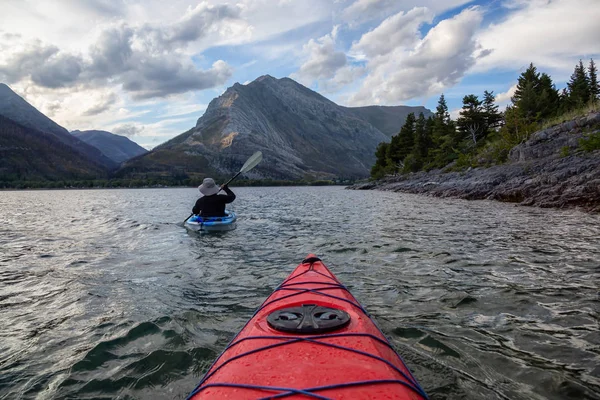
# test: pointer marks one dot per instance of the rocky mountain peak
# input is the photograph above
(302, 134)
(267, 78)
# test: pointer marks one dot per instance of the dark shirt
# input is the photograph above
(213, 206)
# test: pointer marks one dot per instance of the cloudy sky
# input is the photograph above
(147, 69)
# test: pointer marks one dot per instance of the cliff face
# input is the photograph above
(548, 170)
(300, 133)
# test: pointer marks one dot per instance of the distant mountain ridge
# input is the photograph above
(388, 119)
(302, 135)
(15, 108)
(116, 147)
(27, 154)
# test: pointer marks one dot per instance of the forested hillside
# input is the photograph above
(482, 135)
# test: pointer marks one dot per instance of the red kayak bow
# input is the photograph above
(310, 339)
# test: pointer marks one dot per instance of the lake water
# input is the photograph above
(104, 294)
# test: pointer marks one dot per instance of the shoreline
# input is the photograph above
(549, 171)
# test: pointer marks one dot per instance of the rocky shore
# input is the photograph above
(548, 170)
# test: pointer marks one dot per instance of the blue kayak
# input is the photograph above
(212, 224)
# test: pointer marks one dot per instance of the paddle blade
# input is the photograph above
(252, 162)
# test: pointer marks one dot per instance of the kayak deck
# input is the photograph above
(351, 361)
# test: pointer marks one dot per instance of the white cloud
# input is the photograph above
(455, 113)
(551, 34)
(128, 130)
(400, 30)
(179, 109)
(323, 60)
(436, 62)
(98, 64)
(270, 18)
(106, 101)
(139, 59)
(91, 63)
(502, 99)
(74, 109)
(343, 77)
(200, 20)
(362, 11)
(22, 58)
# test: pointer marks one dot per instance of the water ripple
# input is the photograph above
(105, 295)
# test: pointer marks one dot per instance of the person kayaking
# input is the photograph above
(212, 204)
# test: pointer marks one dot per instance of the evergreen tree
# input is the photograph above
(429, 130)
(441, 111)
(379, 169)
(536, 97)
(442, 136)
(407, 136)
(579, 87)
(493, 117)
(402, 143)
(422, 140)
(549, 99)
(392, 156)
(530, 78)
(414, 161)
(516, 128)
(563, 101)
(594, 86)
(472, 121)
(525, 98)
(442, 121)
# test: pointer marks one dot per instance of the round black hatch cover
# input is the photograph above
(309, 318)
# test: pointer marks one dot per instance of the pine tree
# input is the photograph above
(526, 81)
(493, 117)
(442, 130)
(402, 143)
(516, 128)
(441, 111)
(414, 161)
(536, 97)
(472, 120)
(422, 139)
(442, 120)
(548, 97)
(525, 99)
(379, 169)
(579, 87)
(594, 86)
(407, 136)
(392, 156)
(563, 101)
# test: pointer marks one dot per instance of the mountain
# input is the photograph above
(301, 134)
(15, 108)
(117, 148)
(388, 119)
(27, 154)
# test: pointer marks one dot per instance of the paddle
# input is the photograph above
(248, 165)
